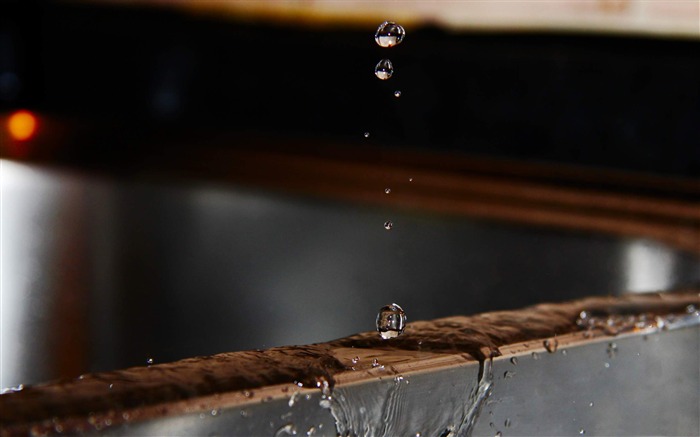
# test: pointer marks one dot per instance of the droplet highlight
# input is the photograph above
(391, 321)
(397, 94)
(388, 225)
(551, 344)
(389, 34)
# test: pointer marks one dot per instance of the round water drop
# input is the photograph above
(388, 225)
(366, 134)
(387, 190)
(582, 431)
(535, 356)
(551, 344)
(375, 363)
(590, 404)
(149, 361)
(514, 361)
(384, 69)
(389, 34)
(397, 93)
(410, 179)
(391, 321)
(611, 350)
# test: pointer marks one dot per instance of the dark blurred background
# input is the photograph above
(107, 262)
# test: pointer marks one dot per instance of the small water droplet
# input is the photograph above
(690, 309)
(611, 350)
(514, 361)
(391, 321)
(498, 434)
(248, 394)
(384, 69)
(293, 399)
(389, 34)
(551, 344)
(388, 225)
(397, 94)
(410, 179)
(387, 190)
(111, 386)
(564, 352)
(507, 423)
(535, 356)
(508, 374)
(375, 363)
(366, 134)
(245, 413)
(288, 429)
(214, 412)
(590, 404)
(607, 365)
(582, 431)
(398, 379)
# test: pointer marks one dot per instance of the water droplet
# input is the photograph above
(248, 394)
(387, 190)
(507, 423)
(288, 429)
(564, 352)
(398, 379)
(582, 431)
(149, 361)
(375, 363)
(448, 432)
(384, 69)
(391, 320)
(389, 34)
(508, 374)
(410, 179)
(611, 350)
(551, 344)
(214, 412)
(311, 431)
(535, 356)
(326, 398)
(498, 434)
(111, 386)
(245, 413)
(293, 399)
(514, 361)
(388, 225)
(607, 365)
(397, 94)
(590, 404)
(690, 309)
(366, 134)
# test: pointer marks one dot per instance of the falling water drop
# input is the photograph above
(288, 429)
(149, 361)
(551, 344)
(611, 350)
(387, 190)
(410, 179)
(582, 431)
(535, 356)
(388, 225)
(384, 69)
(389, 34)
(397, 93)
(514, 361)
(366, 134)
(391, 321)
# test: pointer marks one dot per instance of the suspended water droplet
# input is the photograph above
(508, 374)
(384, 69)
(590, 404)
(690, 309)
(582, 431)
(214, 412)
(514, 361)
(288, 429)
(311, 431)
(391, 320)
(389, 34)
(375, 363)
(397, 94)
(326, 398)
(535, 356)
(293, 399)
(551, 344)
(387, 190)
(366, 134)
(248, 394)
(498, 434)
(398, 379)
(111, 386)
(355, 360)
(149, 361)
(611, 350)
(388, 225)
(245, 413)
(507, 423)
(564, 352)
(606, 365)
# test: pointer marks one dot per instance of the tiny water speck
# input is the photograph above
(149, 361)
(590, 404)
(410, 179)
(384, 69)
(606, 365)
(389, 34)
(508, 374)
(582, 431)
(375, 363)
(507, 423)
(397, 93)
(388, 225)
(387, 190)
(535, 356)
(611, 350)
(366, 134)
(288, 429)
(514, 361)
(391, 321)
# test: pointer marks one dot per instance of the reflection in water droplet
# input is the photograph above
(355, 360)
(391, 320)
(389, 34)
(690, 309)
(448, 432)
(397, 93)
(611, 350)
(384, 69)
(288, 429)
(388, 225)
(551, 344)
(245, 413)
(366, 134)
(387, 190)
(514, 361)
(564, 352)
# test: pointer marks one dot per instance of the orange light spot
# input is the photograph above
(22, 125)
